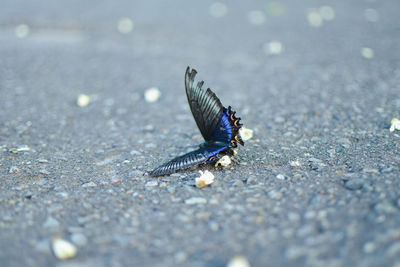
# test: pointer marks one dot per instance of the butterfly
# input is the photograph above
(218, 125)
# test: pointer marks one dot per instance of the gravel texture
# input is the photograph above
(317, 81)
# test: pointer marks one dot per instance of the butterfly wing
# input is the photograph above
(205, 105)
(190, 159)
(205, 154)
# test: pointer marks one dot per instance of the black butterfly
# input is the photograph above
(217, 124)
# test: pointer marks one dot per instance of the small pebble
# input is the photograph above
(79, 239)
(371, 15)
(218, 10)
(354, 184)
(280, 177)
(63, 249)
(89, 184)
(180, 256)
(13, 169)
(238, 261)
(151, 183)
(195, 200)
(51, 223)
(256, 17)
(276, 195)
(238, 183)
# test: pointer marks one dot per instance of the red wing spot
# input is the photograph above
(236, 123)
(232, 118)
(236, 138)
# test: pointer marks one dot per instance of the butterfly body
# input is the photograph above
(217, 124)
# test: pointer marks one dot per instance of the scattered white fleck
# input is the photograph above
(273, 48)
(83, 100)
(22, 30)
(395, 125)
(63, 249)
(151, 183)
(125, 25)
(89, 184)
(238, 261)
(314, 18)
(367, 52)
(224, 161)
(206, 178)
(152, 94)
(246, 133)
(256, 17)
(327, 12)
(43, 161)
(371, 15)
(195, 200)
(280, 177)
(218, 10)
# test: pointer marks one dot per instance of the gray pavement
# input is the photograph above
(317, 81)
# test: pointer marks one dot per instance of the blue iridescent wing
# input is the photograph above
(193, 158)
(227, 130)
(205, 105)
(218, 125)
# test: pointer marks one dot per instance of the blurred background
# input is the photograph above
(92, 96)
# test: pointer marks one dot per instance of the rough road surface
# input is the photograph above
(317, 81)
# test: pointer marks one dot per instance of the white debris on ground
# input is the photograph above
(224, 161)
(395, 125)
(273, 48)
(316, 16)
(125, 25)
(22, 31)
(63, 249)
(256, 17)
(238, 261)
(246, 133)
(83, 100)
(152, 94)
(206, 178)
(367, 52)
(218, 10)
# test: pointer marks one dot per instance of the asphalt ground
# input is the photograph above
(317, 82)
